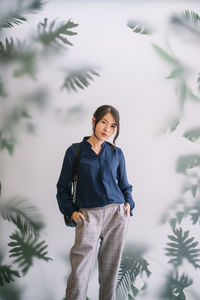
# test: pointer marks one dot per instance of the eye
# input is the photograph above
(113, 126)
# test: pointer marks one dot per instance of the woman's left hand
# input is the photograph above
(127, 207)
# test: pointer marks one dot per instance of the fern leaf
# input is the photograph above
(185, 162)
(193, 135)
(78, 79)
(192, 17)
(24, 249)
(182, 247)
(15, 17)
(50, 37)
(174, 287)
(20, 52)
(189, 20)
(7, 274)
(138, 28)
(12, 20)
(130, 268)
(25, 216)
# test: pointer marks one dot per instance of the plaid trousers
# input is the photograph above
(109, 225)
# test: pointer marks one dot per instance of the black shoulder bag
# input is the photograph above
(68, 220)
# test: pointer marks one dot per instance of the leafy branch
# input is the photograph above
(20, 52)
(15, 16)
(7, 274)
(189, 20)
(55, 37)
(174, 287)
(25, 249)
(130, 268)
(182, 247)
(78, 79)
(185, 162)
(25, 216)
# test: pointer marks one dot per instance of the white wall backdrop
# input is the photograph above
(133, 79)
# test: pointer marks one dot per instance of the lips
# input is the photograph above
(104, 134)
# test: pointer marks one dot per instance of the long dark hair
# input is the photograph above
(101, 111)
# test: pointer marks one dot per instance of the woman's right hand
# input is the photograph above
(76, 215)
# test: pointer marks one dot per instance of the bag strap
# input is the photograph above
(75, 169)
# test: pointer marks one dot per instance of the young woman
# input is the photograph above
(103, 206)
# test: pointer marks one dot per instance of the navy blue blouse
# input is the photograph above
(102, 179)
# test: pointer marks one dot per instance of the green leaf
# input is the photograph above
(166, 56)
(185, 162)
(15, 16)
(182, 92)
(173, 222)
(7, 274)
(55, 37)
(189, 20)
(192, 96)
(78, 79)
(174, 287)
(24, 249)
(12, 20)
(11, 291)
(130, 268)
(135, 290)
(138, 28)
(7, 142)
(194, 189)
(25, 216)
(174, 122)
(130, 297)
(19, 52)
(180, 215)
(192, 17)
(195, 212)
(193, 135)
(182, 247)
(177, 72)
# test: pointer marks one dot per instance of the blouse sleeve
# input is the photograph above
(125, 187)
(64, 184)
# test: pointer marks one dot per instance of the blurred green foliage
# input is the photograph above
(174, 287)
(24, 215)
(15, 15)
(138, 28)
(182, 246)
(55, 37)
(78, 79)
(132, 265)
(24, 249)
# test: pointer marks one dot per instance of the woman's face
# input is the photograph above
(105, 127)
